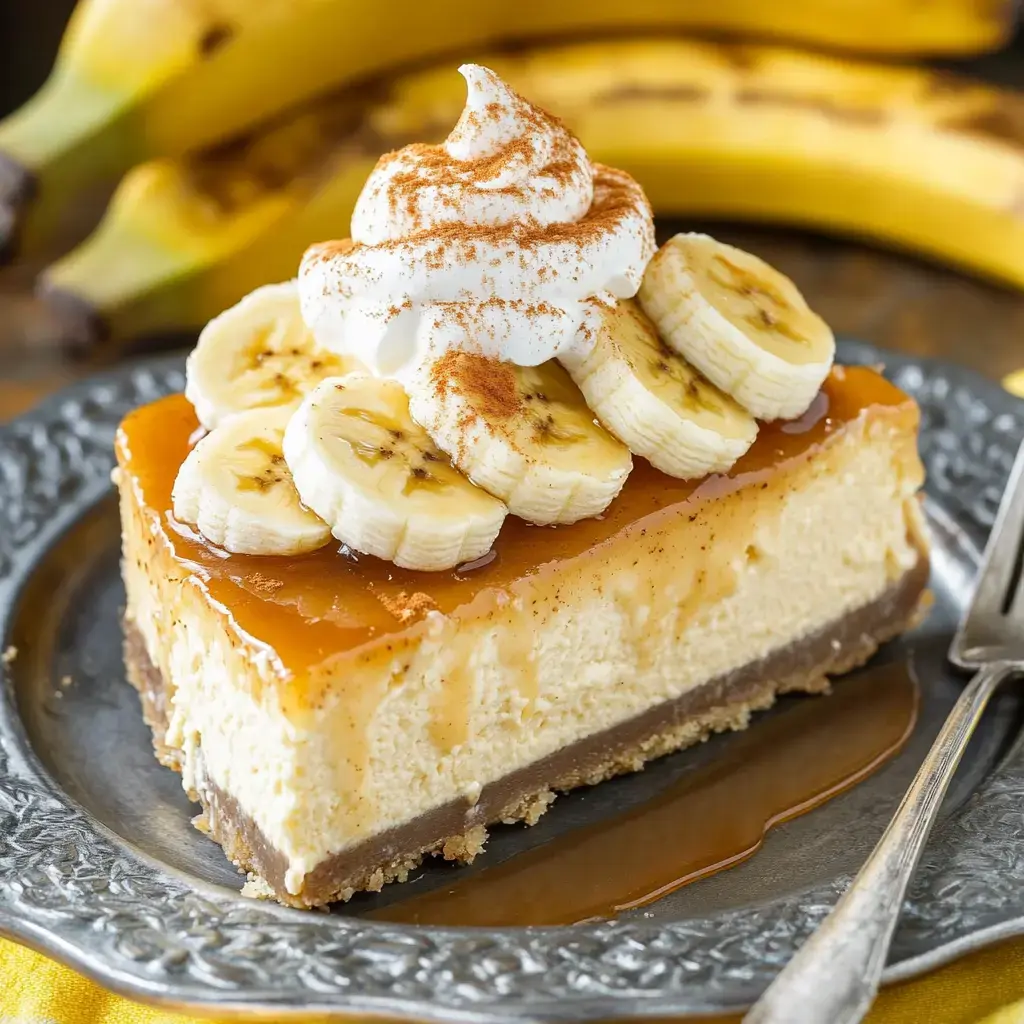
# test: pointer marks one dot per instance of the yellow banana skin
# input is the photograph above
(84, 123)
(138, 80)
(180, 236)
(905, 156)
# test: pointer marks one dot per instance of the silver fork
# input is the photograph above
(834, 977)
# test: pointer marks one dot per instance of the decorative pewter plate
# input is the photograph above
(100, 867)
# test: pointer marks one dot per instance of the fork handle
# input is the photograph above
(834, 976)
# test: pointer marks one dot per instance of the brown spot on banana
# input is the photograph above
(271, 475)
(947, 83)
(217, 35)
(234, 174)
(634, 92)
(736, 55)
(1002, 122)
(818, 104)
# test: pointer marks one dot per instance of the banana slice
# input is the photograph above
(744, 325)
(235, 488)
(524, 433)
(360, 461)
(653, 401)
(257, 353)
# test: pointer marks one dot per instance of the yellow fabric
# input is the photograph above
(985, 988)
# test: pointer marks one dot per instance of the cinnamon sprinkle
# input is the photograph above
(489, 383)
(543, 251)
(264, 584)
(615, 195)
(435, 166)
(405, 606)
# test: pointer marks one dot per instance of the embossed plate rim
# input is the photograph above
(72, 889)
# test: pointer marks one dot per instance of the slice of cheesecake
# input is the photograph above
(339, 718)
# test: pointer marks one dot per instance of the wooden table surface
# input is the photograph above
(893, 300)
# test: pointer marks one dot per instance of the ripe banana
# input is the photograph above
(235, 488)
(88, 121)
(1015, 383)
(258, 353)
(361, 462)
(912, 157)
(653, 401)
(744, 325)
(135, 81)
(523, 433)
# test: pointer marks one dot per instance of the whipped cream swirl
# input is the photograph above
(498, 241)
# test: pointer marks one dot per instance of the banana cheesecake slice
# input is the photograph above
(495, 501)
(339, 717)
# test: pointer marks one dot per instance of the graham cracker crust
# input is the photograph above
(458, 831)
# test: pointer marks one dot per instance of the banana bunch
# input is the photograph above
(91, 119)
(136, 81)
(304, 445)
(908, 156)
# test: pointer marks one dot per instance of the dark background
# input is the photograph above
(893, 300)
(29, 33)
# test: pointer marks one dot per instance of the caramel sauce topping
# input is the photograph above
(311, 607)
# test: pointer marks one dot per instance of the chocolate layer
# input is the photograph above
(457, 830)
